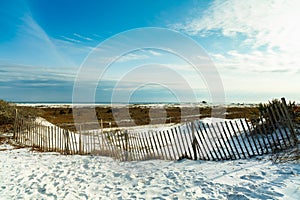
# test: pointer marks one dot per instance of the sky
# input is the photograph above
(253, 44)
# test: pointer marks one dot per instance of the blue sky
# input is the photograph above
(253, 44)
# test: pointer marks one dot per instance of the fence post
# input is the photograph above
(126, 145)
(91, 142)
(66, 134)
(52, 139)
(38, 136)
(60, 140)
(55, 138)
(194, 142)
(102, 132)
(75, 143)
(290, 123)
(15, 124)
(80, 147)
(71, 142)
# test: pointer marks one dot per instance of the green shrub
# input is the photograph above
(8, 114)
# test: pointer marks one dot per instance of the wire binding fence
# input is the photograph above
(271, 132)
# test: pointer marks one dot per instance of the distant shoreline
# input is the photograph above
(147, 104)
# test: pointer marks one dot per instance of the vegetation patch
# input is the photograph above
(8, 114)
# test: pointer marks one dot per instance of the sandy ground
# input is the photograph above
(32, 175)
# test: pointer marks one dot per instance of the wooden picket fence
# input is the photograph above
(271, 132)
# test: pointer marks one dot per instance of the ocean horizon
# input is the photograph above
(123, 103)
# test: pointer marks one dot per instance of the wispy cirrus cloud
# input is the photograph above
(51, 61)
(254, 44)
(154, 53)
(33, 39)
(53, 52)
(271, 23)
(70, 39)
(13, 72)
(266, 33)
(132, 57)
(82, 37)
(255, 61)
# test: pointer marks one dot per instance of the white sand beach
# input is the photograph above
(33, 175)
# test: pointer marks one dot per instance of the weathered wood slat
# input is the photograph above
(184, 142)
(160, 139)
(241, 148)
(280, 114)
(186, 134)
(255, 140)
(276, 122)
(220, 147)
(215, 142)
(210, 141)
(244, 142)
(274, 129)
(231, 152)
(200, 136)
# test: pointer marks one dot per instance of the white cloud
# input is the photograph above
(55, 52)
(154, 53)
(271, 23)
(141, 54)
(33, 46)
(33, 37)
(70, 39)
(14, 72)
(257, 61)
(75, 49)
(82, 37)
(265, 57)
(132, 56)
(270, 29)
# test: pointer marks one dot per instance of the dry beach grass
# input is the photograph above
(63, 116)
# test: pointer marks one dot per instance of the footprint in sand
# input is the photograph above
(252, 178)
